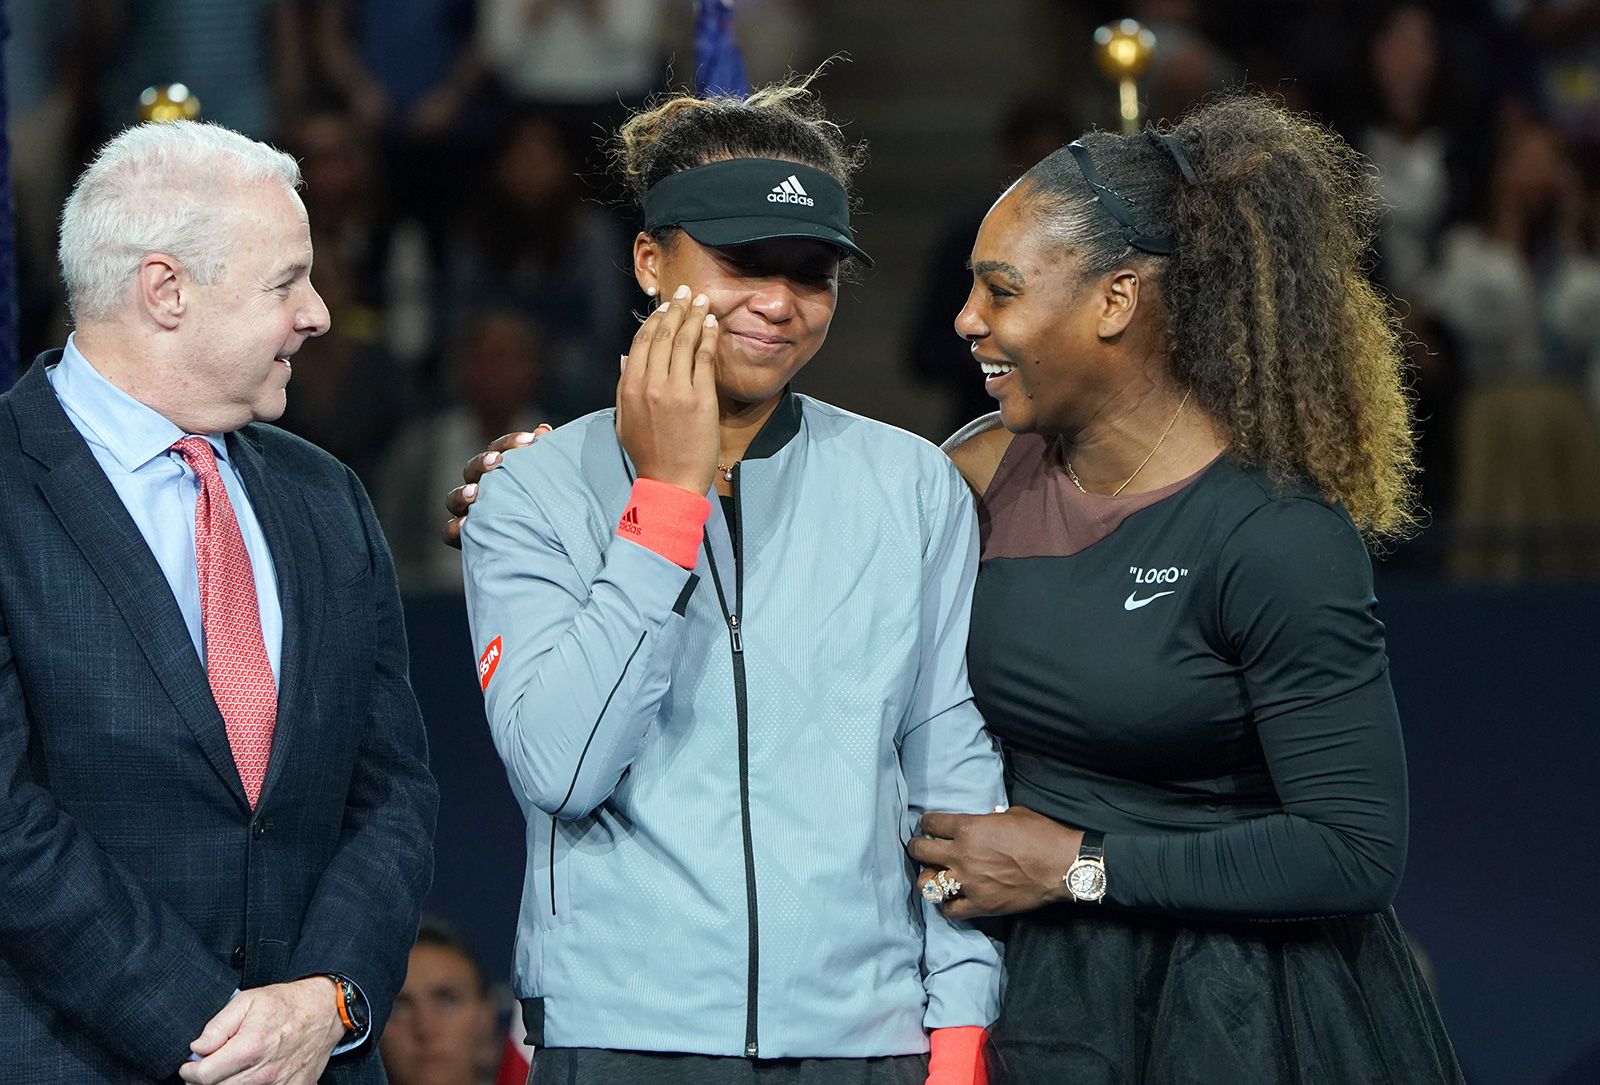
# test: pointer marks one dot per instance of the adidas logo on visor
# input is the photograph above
(790, 191)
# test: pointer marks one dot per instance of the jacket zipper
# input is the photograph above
(752, 1046)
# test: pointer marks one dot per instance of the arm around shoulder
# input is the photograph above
(977, 449)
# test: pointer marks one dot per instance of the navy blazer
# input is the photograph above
(137, 888)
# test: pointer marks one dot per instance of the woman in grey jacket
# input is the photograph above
(722, 634)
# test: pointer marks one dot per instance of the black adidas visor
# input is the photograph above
(742, 200)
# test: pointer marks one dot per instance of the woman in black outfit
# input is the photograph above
(1173, 635)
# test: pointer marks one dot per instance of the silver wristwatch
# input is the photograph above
(1085, 879)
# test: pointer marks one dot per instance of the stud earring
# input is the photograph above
(650, 291)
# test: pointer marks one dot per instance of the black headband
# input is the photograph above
(1174, 147)
(1160, 244)
(740, 200)
(1117, 207)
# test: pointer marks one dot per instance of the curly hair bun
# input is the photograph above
(682, 131)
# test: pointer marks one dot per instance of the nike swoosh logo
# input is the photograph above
(1130, 603)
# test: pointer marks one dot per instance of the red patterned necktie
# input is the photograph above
(236, 654)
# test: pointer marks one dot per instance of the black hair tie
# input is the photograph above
(1174, 147)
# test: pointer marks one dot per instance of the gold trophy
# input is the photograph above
(171, 102)
(1123, 50)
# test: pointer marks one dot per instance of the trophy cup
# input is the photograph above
(170, 102)
(1123, 50)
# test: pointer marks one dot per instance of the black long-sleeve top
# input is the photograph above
(1200, 674)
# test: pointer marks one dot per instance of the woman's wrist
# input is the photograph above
(1057, 892)
(667, 519)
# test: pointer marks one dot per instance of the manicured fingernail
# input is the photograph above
(700, 299)
(545, 427)
(711, 320)
(469, 491)
(523, 438)
(666, 305)
(682, 292)
(491, 458)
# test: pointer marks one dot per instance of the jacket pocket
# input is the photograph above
(550, 869)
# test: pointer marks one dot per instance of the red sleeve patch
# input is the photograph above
(488, 662)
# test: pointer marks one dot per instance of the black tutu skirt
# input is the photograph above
(1100, 997)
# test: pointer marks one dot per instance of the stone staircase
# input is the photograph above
(924, 86)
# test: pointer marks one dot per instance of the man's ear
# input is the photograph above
(1119, 300)
(163, 289)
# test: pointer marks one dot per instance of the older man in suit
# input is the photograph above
(215, 807)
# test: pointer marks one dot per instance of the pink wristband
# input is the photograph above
(667, 519)
(955, 1056)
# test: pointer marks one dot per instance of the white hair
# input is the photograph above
(156, 188)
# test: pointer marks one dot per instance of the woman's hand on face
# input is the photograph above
(460, 499)
(1009, 861)
(667, 397)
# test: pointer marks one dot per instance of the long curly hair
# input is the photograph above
(1273, 323)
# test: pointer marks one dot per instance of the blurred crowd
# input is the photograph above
(465, 237)
(474, 257)
(444, 1029)
(1481, 121)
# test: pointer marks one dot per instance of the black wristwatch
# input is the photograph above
(1085, 879)
(352, 1007)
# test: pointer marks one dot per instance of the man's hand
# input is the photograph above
(460, 499)
(1006, 862)
(277, 1035)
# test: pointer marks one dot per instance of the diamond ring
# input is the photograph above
(941, 887)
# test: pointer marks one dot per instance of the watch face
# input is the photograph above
(358, 1010)
(1087, 880)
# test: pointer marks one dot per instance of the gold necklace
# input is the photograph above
(727, 472)
(1073, 475)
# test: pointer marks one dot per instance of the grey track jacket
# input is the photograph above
(720, 768)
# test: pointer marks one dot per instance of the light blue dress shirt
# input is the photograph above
(133, 445)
